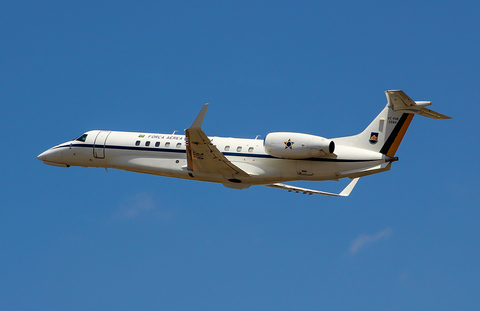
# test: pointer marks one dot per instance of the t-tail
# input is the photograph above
(387, 130)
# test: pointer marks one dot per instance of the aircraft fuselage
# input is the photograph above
(165, 155)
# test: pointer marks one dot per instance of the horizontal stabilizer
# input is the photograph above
(345, 193)
(398, 101)
(432, 114)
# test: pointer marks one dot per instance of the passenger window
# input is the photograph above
(167, 144)
(227, 148)
(157, 144)
(239, 148)
(137, 143)
(179, 145)
(250, 149)
(147, 143)
(82, 138)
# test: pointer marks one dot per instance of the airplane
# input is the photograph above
(240, 163)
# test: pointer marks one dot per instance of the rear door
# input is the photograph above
(99, 144)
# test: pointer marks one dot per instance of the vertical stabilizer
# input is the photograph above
(387, 130)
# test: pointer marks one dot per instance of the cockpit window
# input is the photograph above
(82, 138)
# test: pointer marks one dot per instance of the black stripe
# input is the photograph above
(252, 155)
(335, 160)
(394, 134)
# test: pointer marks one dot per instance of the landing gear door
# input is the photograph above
(99, 144)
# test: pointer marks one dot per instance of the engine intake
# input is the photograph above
(297, 145)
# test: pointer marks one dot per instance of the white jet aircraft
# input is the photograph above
(240, 163)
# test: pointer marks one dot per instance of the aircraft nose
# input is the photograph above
(42, 156)
(53, 156)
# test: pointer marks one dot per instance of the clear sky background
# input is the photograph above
(84, 239)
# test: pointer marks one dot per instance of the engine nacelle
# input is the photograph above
(297, 146)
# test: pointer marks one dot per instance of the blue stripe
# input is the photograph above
(246, 155)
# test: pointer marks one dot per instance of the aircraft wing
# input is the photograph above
(203, 156)
(345, 193)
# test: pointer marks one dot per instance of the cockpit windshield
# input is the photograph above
(82, 138)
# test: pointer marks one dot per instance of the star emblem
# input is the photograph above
(289, 144)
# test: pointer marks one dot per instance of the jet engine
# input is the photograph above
(297, 146)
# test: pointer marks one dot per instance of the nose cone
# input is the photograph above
(53, 156)
(43, 156)
(50, 155)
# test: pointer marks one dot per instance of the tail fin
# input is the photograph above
(387, 130)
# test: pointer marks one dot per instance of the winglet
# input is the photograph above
(197, 124)
(349, 188)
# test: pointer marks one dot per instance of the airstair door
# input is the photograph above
(99, 145)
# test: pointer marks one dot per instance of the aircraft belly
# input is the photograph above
(265, 170)
(166, 164)
(261, 170)
(332, 170)
(323, 170)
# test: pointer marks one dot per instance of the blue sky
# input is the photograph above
(84, 239)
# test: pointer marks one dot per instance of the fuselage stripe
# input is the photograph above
(182, 151)
(393, 142)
